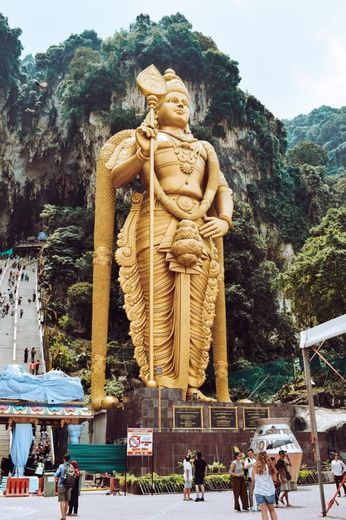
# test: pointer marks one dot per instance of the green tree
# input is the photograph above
(312, 181)
(256, 325)
(62, 249)
(81, 61)
(307, 152)
(324, 126)
(79, 298)
(69, 239)
(316, 280)
(61, 357)
(10, 50)
(337, 185)
(55, 62)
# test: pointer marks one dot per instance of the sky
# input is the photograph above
(291, 53)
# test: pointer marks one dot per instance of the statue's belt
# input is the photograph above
(183, 202)
(166, 225)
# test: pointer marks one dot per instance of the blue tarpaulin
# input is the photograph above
(52, 387)
(20, 448)
(74, 433)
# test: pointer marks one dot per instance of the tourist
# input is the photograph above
(338, 470)
(26, 353)
(187, 477)
(21, 313)
(276, 479)
(282, 466)
(236, 471)
(33, 354)
(249, 463)
(46, 448)
(37, 367)
(73, 502)
(39, 467)
(64, 490)
(264, 489)
(32, 368)
(200, 471)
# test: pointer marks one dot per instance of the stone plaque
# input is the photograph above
(187, 418)
(221, 418)
(251, 414)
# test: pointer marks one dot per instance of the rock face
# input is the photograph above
(332, 422)
(43, 161)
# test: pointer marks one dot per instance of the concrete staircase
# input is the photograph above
(17, 333)
(4, 441)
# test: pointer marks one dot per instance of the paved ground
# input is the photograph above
(218, 506)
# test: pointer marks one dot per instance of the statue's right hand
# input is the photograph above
(144, 134)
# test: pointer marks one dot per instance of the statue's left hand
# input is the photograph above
(214, 227)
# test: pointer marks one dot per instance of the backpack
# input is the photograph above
(69, 476)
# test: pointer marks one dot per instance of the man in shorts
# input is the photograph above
(64, 493)
(248, 465)
(187, 478)
(200, 471)
(282, 466)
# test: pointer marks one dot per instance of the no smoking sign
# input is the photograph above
(140, 441)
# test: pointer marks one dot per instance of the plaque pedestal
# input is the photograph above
(212, 428)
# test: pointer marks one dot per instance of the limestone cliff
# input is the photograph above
(43, 161)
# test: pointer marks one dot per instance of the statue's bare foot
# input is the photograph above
(193, 394)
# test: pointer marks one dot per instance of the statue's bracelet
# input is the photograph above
(141, 156)
(227, 219)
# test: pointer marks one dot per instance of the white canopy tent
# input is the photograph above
(308, 339)
(327, 330)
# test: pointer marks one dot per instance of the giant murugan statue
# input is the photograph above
(169, 250)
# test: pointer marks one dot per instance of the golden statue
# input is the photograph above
(170, 248)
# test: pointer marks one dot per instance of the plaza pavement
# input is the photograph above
(218, 506)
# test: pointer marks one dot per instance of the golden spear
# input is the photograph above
(152, 85)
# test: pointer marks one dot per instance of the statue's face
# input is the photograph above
(174, 110)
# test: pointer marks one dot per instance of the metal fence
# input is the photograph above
(263, 381)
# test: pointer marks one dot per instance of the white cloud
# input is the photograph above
(327, 86)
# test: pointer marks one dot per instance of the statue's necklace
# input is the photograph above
(186, 154)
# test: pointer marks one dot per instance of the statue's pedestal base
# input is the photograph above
(210, 427)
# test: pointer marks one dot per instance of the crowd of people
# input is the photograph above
(18, 272)
(260, 482)
(40, 457)
(268, 482)
(8, 296)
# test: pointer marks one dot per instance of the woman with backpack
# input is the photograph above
(264, 489)
(73, 502)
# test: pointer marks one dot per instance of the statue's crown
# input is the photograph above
(174, 83)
